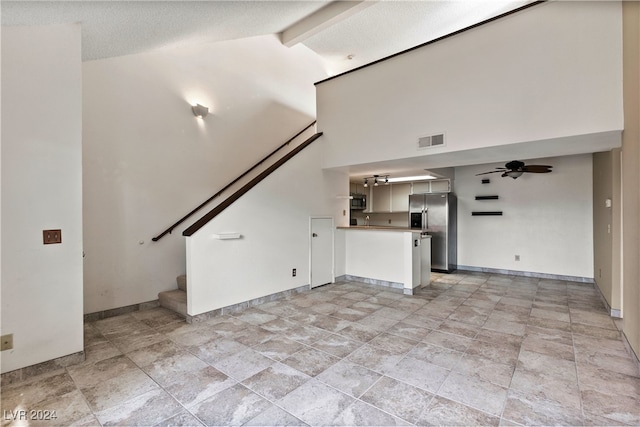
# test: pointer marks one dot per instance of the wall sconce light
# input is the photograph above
(200, 111)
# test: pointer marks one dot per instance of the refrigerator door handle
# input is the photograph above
(425, 219)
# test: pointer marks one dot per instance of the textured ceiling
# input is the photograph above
(115, 28)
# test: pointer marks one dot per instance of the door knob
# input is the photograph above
(314, 235)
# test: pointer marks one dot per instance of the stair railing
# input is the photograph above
(226, 187)
(248, 186)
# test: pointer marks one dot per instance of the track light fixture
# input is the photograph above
(377, 179)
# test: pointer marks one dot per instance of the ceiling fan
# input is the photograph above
(516, 168)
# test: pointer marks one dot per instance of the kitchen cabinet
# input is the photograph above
(381, 198)
(356, 188)
(434, 186)
(421, 187)
(400, 197)
(440, 186)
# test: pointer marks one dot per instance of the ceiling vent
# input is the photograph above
(430, 141)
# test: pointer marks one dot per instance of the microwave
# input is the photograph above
(358, 201)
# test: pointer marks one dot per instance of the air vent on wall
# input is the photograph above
(430, 141)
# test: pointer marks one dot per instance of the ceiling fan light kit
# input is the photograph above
(516, 168)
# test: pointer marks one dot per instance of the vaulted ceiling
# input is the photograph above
(346, 34)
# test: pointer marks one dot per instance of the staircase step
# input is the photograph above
(175, 300)
(182, 282)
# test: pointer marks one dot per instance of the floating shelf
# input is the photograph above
(227, 236)
(487, 213)
(487, 197)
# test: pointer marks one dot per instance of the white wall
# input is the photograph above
(552, 71)
(41, 189)
(273, 219)
(148, 161)
(547, 218)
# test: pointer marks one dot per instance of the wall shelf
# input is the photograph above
(487, 213)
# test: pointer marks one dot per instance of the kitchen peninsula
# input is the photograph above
(389, 256)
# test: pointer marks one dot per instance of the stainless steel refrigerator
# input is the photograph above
(436, 214)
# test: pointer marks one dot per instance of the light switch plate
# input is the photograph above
(51, 236)
(6, 342)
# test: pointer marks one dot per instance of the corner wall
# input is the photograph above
(631, 175)
(41, 189)
(606, 228)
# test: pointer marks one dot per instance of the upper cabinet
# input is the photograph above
(387, 198)
(381, 195)
(357, 188)
(433, 186)
(400, 197)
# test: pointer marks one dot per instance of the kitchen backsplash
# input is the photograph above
(398, 219)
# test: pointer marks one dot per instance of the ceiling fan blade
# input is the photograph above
(537, 168)
(486, 173)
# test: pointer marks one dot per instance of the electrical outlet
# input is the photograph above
(6, 342)
(517, 257)
(293, 273)
(51, 236)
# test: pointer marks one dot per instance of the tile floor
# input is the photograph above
(471, 349)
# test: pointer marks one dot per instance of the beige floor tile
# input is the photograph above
(349, 378)
(547, 387)
(315, 403)
(119, 389)
(446, 340)
(544, 350)
(276, 381)
(145, 409)
(89, 375)
(398, 399)
(488, 370)
(531, 410)
(311, 361)
(196, 386)
(418, 373)
(625, 409)
(475, 392)
(445, 412)
(26, 394)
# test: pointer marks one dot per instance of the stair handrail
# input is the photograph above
(245, 173)
(248, 186)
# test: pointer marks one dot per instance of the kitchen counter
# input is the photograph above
(379, 228)
(391, 258)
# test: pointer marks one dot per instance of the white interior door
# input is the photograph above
(321, 251)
